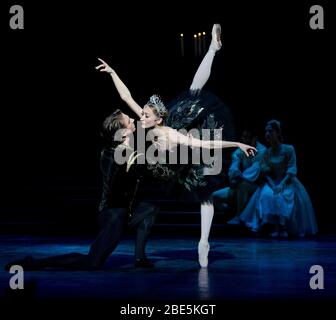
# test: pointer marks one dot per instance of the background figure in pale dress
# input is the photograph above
(282, 200)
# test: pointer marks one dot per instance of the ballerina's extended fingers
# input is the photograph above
(102, 61)
(252, 151)
(102, 65)
(246, 152)
(249, 151)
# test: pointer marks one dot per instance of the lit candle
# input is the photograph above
(199, 44)
(182, 44)
(204, 43)
(195, 44)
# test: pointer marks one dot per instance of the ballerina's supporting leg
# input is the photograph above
(207, 213)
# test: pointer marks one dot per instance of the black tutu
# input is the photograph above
(196, 110)
(202, 110)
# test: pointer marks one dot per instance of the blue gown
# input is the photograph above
(292, 206)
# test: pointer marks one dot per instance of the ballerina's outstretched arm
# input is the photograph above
(123, 91)
(177, 137)
(203, 72)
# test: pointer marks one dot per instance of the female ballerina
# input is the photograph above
(185, 113)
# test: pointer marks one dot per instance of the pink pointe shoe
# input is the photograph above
(203, 251)
(216, 42)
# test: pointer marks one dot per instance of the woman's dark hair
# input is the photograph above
(276, 126)
(110, 126)
(158, 107)
(163, 114)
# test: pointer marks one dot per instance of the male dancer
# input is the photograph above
(118, 204)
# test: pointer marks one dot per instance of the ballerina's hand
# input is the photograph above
(248, 150)
(104, 67)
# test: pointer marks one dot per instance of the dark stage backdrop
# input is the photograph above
(272, 65)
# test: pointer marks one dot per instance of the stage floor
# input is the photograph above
(239, 269)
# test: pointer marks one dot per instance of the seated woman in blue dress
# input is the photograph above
(244, 178)
(282, 200)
